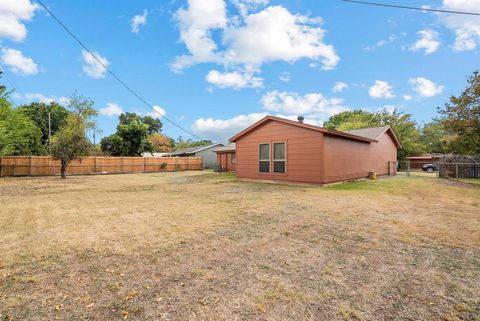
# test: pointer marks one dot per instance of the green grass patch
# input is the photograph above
(385, 185)
(474, 181)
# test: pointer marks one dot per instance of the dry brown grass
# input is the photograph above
(199, 246)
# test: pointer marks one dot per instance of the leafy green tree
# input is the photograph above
(132, 136)
(18, 134)
(38, 113)
(181, 143)
(461, 119)
(354, 119)
(433, 137)
(154, 124)
(403, 125)
(112, 145)
(71, 142)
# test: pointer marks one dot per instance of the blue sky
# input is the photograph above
(216, 66)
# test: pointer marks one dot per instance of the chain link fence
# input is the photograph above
(447, 170)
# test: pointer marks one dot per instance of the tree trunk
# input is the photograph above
(63, 169)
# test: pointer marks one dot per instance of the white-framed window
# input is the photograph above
(233, 158)
(264, 158)
(279, 157)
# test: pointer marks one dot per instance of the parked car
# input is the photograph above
(430, 168)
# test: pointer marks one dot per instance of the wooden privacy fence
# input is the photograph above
(47, 166)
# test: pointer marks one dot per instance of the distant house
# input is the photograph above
(154, 154)
(419, 161)
(207, 152)
(280, 149)
(226, 158)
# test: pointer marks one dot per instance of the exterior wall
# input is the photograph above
(208, 155)
(225, 160)
(303, 153)
(349, 159)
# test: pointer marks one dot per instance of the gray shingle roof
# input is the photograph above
(192, 150)
(229, 147)
(370, 132)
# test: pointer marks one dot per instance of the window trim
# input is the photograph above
(264, 160)
(273, 157)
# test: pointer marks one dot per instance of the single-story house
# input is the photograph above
(226, 158)
(275, 148)
(205, 151)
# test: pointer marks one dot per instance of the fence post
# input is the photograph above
(144, 164)
(408, 168)
(30, 173)
(14, 169)
(95, 168)
(456, 170)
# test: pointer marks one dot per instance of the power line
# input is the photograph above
(411, 8)
(111, 72)
(4, 69)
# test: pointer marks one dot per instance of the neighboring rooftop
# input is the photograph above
(373, 133)
(370, 132)
(228, 148)
(193, 150)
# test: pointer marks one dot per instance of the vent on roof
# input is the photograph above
(300, 119)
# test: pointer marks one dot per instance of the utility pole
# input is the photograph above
(49, 134)
(94, 143)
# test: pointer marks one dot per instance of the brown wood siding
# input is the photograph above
(348, 159)
(303, 153)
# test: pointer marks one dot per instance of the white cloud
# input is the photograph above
(92, 67)
(158, 113)
(139, 20)
(276, 34)
(382, 43)
(37, 97)
(112, 109)
(339, 87)
(285, 77)
(407, 97)
(466, 28)
(18, 63)
(381, 89)
(13, 13)
(223, 129)
(429, 42)
(255, 38)
(310, 104)
(196, 23)
(314, 107)
(234, 79)
(425, 87)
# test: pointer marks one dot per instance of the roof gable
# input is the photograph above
(375, 133)
(298, 124)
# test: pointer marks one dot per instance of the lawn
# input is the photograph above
(203, 246)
